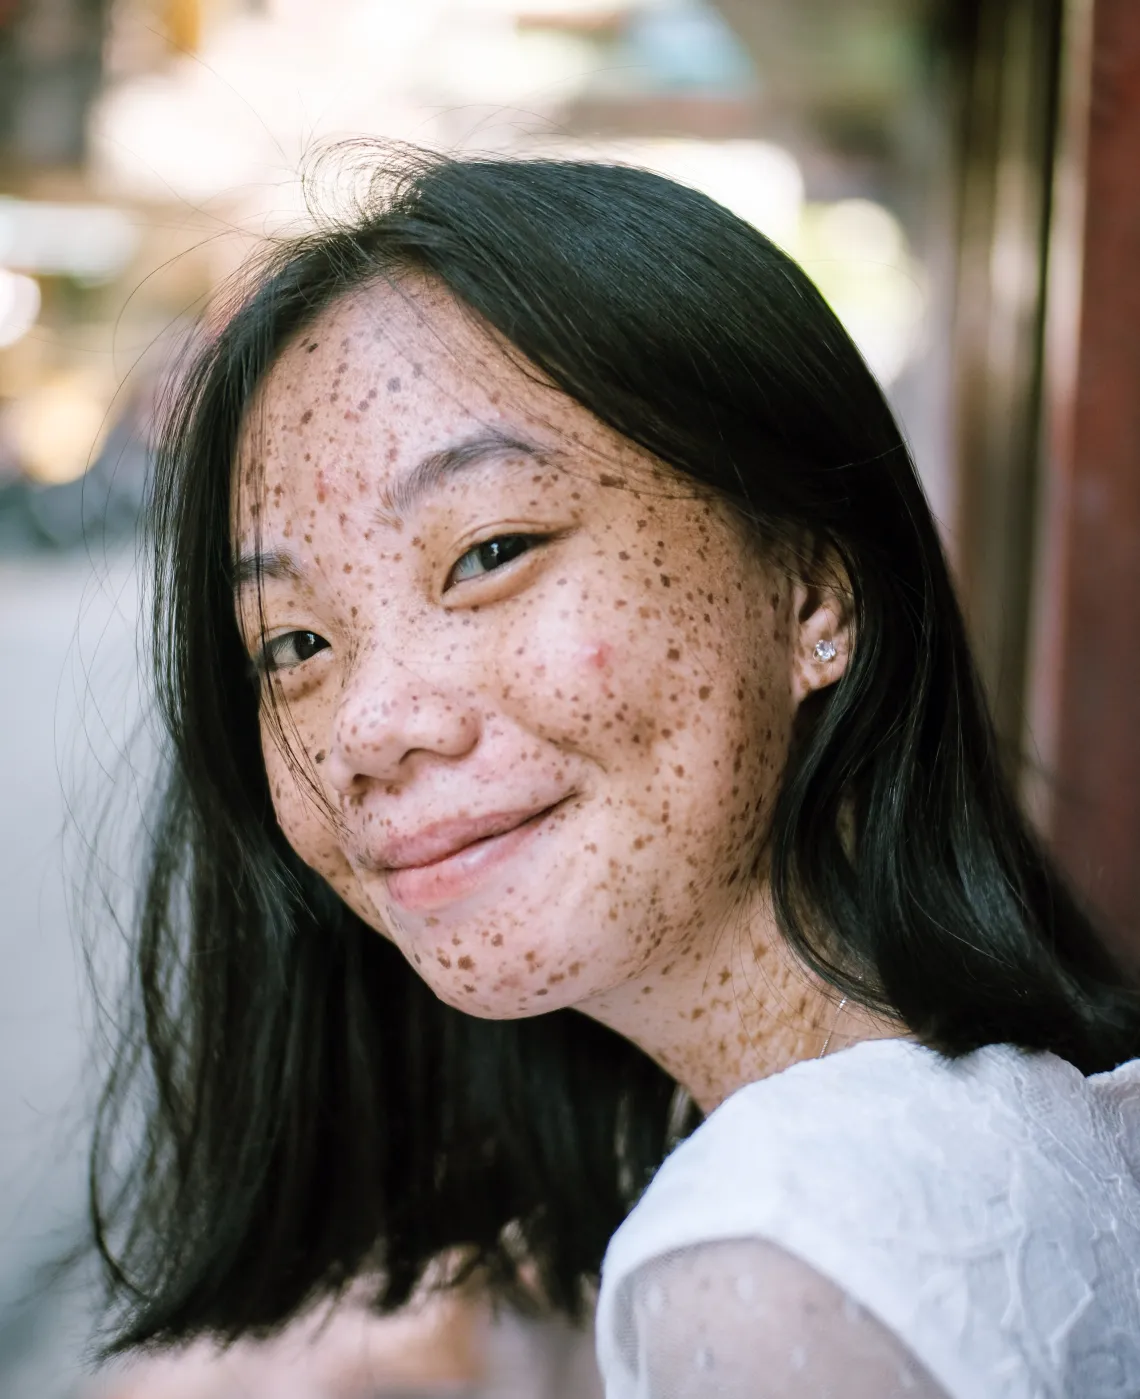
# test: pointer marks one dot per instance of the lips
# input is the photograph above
(447, 860)
(445, 838)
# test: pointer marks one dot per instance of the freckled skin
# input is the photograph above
(640, 665)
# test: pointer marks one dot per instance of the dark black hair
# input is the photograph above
(313, 1111)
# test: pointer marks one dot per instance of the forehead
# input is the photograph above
(385, 375)
(382, 380)
(411, 330)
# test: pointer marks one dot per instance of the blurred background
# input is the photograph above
(960, 177)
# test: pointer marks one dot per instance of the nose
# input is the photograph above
(387, 714)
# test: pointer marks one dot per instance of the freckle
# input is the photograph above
(606, 480)
(320, 756)
(362, 406)
(393, 385)
(673, 654)
(574, 968)
(465, 964)
(310, 348)
(497, 940)
(542, 991)
(348, 568)
(704, 692)
(443, 960)
(666, 581)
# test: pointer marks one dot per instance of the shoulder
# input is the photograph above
(719, 1318)
(915, 1185)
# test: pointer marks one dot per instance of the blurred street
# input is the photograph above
(67, 629)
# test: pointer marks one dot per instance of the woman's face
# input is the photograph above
(527, 695)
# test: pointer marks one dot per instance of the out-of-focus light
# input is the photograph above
(856, 253)
(56, 429)
(89, 241)
(485, 58)
(685, 45)
(19, 306)
(860, 230)
(157, 141)
(759, 182)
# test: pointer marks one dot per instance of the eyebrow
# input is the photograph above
(399, 499)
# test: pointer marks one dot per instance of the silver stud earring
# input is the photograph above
(825, 650)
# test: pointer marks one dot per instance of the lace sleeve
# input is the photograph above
(743, 1319)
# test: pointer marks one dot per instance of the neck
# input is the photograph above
(735, 1008)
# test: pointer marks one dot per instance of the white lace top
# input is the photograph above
(887, 1223)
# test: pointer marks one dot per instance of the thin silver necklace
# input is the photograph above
(838, 1013)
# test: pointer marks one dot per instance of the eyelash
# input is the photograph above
(267, 659)
(496, 543)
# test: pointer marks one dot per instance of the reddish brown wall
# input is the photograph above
(1093, 545)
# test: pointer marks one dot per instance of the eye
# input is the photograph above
(289, 650)
(490, 555)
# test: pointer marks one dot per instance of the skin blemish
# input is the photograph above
(597, 655)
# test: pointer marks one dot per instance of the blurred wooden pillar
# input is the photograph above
(1006, 67)
(1085, 675)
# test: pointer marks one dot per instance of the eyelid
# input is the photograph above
(535, 538)
(261, 660)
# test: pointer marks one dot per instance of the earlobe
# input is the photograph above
(823, 639)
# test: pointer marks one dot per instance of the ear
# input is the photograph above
(822, 634)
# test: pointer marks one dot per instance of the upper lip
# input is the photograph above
(443, 838)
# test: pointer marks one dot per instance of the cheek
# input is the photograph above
(301, 806)
(574, 673)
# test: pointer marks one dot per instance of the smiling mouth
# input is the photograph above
(460, 871)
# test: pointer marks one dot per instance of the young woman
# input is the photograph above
(573, 733)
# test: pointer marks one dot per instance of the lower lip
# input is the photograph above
(424, 887)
